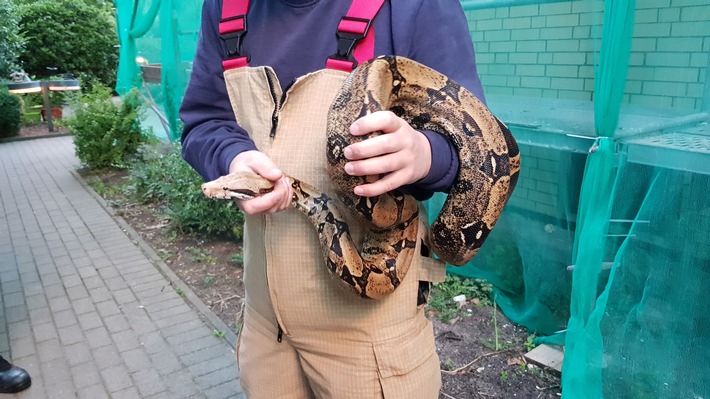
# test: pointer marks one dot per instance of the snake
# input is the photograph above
(489, 165)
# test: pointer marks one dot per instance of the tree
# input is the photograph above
(11, 43)
(71, 36)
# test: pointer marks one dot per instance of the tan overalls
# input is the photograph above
(303, 336)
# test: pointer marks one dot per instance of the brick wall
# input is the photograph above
(549, 182)
(548, 50)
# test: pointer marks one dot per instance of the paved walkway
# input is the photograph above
(82, 307)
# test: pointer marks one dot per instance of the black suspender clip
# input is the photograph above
(234, 40)
(348, 40)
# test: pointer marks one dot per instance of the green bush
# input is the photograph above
(70, 35)
(10, 115)
(11, 42)
(162, 176)
(107, 133)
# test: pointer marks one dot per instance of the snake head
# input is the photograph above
(238, 185)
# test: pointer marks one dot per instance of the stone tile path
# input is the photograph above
(83, 307)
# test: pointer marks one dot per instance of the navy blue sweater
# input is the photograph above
(295, 37)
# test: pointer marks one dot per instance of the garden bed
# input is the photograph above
(481, 352)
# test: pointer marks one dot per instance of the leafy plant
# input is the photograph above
(201, 256)
(442, 295)
(448, 364)
(12, 42)
(107, 133)
(103, 189)
(10, 116)
(530, 343)
(238, 259)
(71, 36)
(503, 376)
(164, 254)
(218, 333)
(160, 175)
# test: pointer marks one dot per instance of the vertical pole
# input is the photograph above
(47, 106)
(705, 105)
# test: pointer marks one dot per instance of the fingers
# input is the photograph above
(377, 146)
(275, 201)
(384, 121)
(386, 184)
(377, 165)
(267, 169)
(381, 120)
(258, 163)
(402, 154)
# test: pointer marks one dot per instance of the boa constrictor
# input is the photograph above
(489, 166)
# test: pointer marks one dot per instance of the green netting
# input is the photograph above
(158, 39)
(604, 247)
(605, 238)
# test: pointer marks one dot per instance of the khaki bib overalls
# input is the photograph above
(303, 336)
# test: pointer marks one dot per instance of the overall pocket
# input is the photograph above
(408, 366)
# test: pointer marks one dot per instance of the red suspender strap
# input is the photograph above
(356, 37)
(232, 28)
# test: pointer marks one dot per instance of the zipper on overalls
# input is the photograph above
(278, 102)
(280, 334)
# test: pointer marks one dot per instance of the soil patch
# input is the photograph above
(40, 129)
(481, 352)
(481, 356)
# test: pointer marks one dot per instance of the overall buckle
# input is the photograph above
(233, 37)
(347, 40)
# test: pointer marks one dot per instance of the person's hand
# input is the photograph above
(259, 164)
(402, 153)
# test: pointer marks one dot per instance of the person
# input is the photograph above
(263, 77)
(13, 379)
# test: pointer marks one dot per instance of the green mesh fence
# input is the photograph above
(603, 249)
(158, 39)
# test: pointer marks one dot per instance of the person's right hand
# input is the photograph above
(259, 164)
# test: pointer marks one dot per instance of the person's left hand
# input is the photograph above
(402, 153)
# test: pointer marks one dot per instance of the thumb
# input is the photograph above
(267, 169)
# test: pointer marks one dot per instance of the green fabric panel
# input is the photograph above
(582, 378)
(128, 71)
(142, 23)
(610, 76)
(171, 76)
(584, 349)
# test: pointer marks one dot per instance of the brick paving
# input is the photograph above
(83, 306)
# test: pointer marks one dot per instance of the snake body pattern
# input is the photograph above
(489, 165)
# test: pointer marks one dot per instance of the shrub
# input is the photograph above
(107, 133)
(11, 43)
(10, 115)
(70, 35)
(161, 175)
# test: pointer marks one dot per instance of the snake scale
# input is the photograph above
(489, 165)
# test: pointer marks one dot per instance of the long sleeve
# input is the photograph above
(211, 137)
